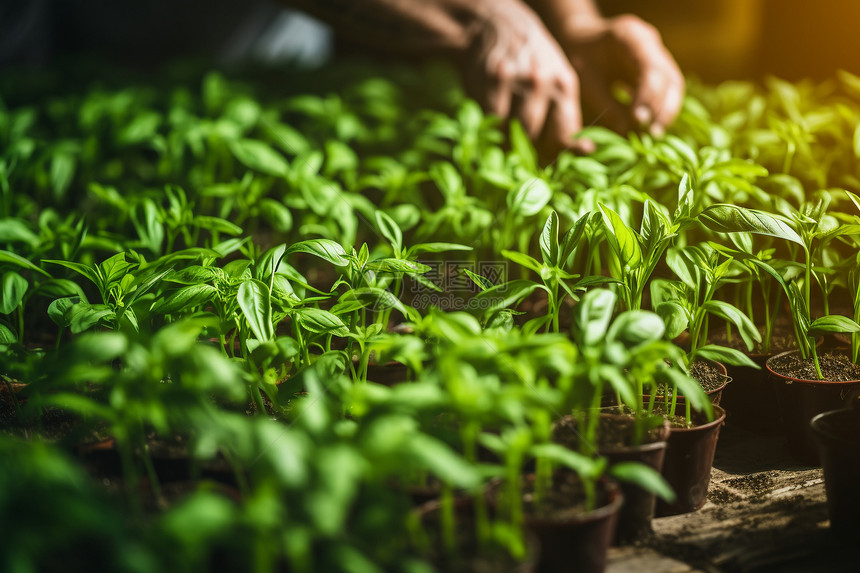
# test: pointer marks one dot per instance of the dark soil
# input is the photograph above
(614, 431)
(835, 366)
(708, 375)
(565, 498)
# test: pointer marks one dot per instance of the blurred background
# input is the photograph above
(714, 40)
(748, 39)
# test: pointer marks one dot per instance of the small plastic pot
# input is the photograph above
(799, 401)
(837, 433)
(467, 555)
(575, 541)
(687, 466)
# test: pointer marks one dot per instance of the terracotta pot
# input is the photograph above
(576, 541)
(688, 462)
(799, 401)
(838, 435)
(467, 557)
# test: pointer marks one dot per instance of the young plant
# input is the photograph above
(687, 303)
(636, 254)
(808, 234)
(556, 282)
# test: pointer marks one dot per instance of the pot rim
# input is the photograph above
(803, 380)
(821, 433)
(719, 417)
(616, 499)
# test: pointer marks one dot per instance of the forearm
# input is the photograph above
(422, 26)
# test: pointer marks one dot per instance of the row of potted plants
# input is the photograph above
(239, 257)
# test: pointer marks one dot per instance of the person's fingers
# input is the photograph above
(602, 106)
(499, 91)
(563, 122)
(658, 85)
(672, 101)
(533, 107)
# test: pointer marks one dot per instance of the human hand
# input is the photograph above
(515, 68)
(626, 49)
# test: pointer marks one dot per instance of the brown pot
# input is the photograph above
(576, 541)
(750, 400)
(637, 511)
(688, 462)
(467, 556)
(799, 401)
(838, 435)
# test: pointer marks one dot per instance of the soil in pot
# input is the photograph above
(615, 436)
(801, 396)
(711, 376)
(838, 435)
(689, 458)
(572, 538)
(467, 555)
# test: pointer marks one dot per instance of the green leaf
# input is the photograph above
(396, 266)
(12, 258)
(260, 157)
(724, 355)
(549, 241)
(483, 282)
(594, 313)
(506, 294)
(726, 218)
(622, 239)
(584, 466)
(435, 248)
(674, 317)
(443, 462)
(16, 231)
(81, 269)
(59, 309)
(276, 214)
(521, 145)
(12, 289)
(83, 316)
(374, 298)
(522, 259)
(320, 321)
(529, 198)
(325, 249)
(729, 312)
(643, 476)
(681, 266)
(254, 300)
(217, 224)
(635, 327)
(185, 298)
(7, 335)
(571, 239)
(830, 324)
